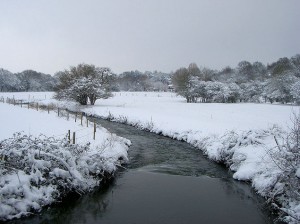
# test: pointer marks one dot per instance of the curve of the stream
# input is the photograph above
(166, 181)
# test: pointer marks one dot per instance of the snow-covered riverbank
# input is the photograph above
(37, 170)
(239, 135)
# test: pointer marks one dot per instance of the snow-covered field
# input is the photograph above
(44, 168)
(170, 113)
(239, 135)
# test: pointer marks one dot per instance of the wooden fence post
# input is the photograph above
(87, 122)
(94, 137)
(75, 116)
(73, 137)
(48, 108)
(28, 105)
(37, 106)
(81, 119)
(58, 111)
(69, 136)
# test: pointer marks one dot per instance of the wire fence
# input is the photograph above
(72, 135)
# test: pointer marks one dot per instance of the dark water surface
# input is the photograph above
(167, 181)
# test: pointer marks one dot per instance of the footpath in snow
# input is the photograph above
(38, 166)
(242, 136)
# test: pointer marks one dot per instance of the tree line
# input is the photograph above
(248, 82)
(28, 80)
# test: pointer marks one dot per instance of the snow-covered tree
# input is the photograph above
(259, 71)
(280, 67)
(215, 92)
(248, 82)
(9, 81)
(278, 88)
(36, 81)
(84, 83)
(245, 71)
(147, 81)
(252, 91)
(188, 83)
(227, 74)
(233, 93)
(295, 91)
(207, 74)
(200, 91)
(27, 80)
(295, 60)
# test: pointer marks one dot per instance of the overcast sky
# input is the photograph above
(51, 35)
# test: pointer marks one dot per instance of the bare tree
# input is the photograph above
(181, 81)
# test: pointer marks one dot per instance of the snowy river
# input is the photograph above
(167, 181)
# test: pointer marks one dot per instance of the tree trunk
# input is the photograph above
(93, 99)
(82, 99)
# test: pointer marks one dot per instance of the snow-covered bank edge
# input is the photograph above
(38, 170)
(250, 154)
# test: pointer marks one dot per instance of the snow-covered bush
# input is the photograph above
(36, 171)
(285, 192)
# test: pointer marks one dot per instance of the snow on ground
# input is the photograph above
(46, 168)
(239, 135)
(15, 119)
(171, 113)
